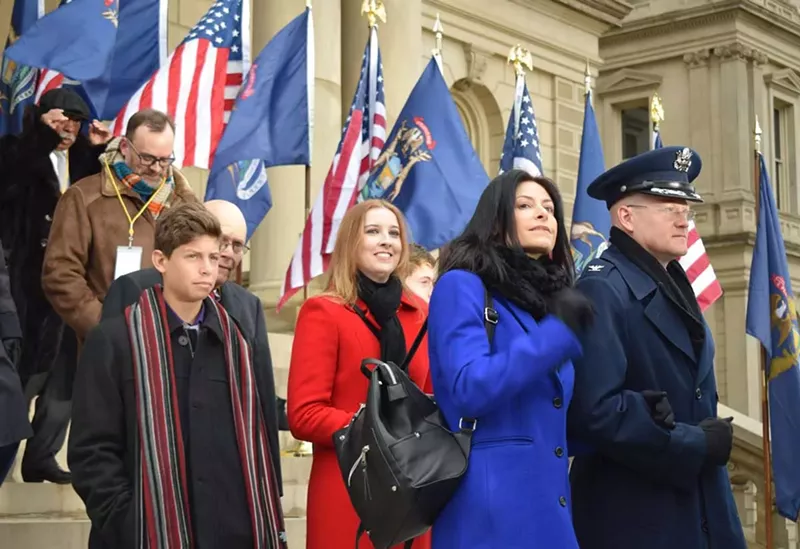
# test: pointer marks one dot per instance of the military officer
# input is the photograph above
(645, 394)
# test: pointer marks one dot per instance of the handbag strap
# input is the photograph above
(466, 426)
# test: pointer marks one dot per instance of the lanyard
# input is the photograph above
(132, 220)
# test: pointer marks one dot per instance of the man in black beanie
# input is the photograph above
(35, 168)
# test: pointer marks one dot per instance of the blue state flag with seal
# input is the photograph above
(428, 167)
(772, 319)
(17, 81)
(590, 220)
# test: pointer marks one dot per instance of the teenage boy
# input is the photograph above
(168, 446)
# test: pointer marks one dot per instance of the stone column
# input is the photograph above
(275, 240)
(400, 40)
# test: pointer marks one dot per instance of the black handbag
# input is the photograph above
(399, 461)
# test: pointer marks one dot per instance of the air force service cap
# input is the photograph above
(667, 172)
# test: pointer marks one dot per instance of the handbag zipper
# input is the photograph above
(362, 459)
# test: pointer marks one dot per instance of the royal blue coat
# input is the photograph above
(644, 486)
(515, 493)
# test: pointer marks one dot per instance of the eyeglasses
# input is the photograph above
(673, 211)
(148, 159)
(236, 246)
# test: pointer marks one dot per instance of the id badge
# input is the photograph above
(129, 259)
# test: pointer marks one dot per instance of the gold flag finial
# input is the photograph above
(757, 136)
(656, 110)
(375, 11)
(587, 78)
(520, 58)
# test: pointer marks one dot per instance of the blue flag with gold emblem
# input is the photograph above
(772, 319)
(428, 167)
(17, 82)
(590, 219)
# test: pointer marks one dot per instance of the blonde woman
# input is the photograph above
(326, 385)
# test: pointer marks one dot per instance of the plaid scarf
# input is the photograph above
(163, 515)
(134, 181)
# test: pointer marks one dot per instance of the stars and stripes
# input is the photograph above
(362, 140)
(198, 84)
(521, 147)
(705, 284)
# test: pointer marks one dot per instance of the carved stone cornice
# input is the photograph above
(737, 51)
(610, 11)
(697, 58)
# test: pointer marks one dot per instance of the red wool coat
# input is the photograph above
(326, 387)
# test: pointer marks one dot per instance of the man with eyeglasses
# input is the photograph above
(104, 225)
(652, 467)
(244, 307)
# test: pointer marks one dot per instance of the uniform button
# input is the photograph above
(48, 217)
(562, 501)
(704, 525)
(557, 402)
(43, 243)
(559, 451)
(183, 340)
(698, 394)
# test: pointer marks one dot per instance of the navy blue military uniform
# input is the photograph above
(646, 484)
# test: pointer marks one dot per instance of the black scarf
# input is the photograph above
(527, 282)
(672, 281)
(383, 300)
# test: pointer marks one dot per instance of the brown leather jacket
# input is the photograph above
(88, 225)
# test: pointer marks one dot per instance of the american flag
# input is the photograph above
(521, 147)
(198, 84)
(707, 288)
(363, 137)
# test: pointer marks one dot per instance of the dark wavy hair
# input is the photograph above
(493, 225)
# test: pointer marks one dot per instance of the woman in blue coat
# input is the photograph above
(514, 390)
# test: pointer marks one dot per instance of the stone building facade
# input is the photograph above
(716, 64)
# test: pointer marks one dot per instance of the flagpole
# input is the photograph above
(765, 431)
(307, 199)
(587, 80)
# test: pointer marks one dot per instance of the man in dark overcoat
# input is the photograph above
(35, 168)
(14, 425)
(645, 397)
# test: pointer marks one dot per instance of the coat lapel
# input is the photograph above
(659, 309)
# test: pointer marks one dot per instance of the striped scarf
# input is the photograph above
(134, 181)
(163, 516)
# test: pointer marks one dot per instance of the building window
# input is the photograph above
(783, 179)
(635, 131)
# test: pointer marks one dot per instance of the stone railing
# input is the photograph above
(746, 471)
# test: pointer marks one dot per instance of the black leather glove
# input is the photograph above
(572, 308)
(660, 409)
(13, 349)
(719, 439)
